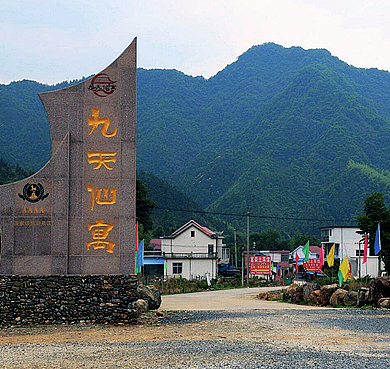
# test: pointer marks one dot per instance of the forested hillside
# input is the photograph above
(285, 133)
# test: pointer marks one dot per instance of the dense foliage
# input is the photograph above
(376, 212)
(11, 173)
(284, 133)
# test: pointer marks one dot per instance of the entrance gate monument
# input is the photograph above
(77, 214)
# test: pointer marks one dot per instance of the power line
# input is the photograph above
(258, 216)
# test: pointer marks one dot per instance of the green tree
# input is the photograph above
(299, 239)
(375, 211)
(144, 208)
(268, 239)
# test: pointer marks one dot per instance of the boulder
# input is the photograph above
(270, 295)
(151, 295)
(314, 297)
(337, 298)
(294, 293)
(297, 295)
(350, 299)
(380, 287)
(141, 306)
(326, 292)
(363, 296)
(308, 288)
(384, 303)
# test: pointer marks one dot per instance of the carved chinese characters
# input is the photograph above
(101, 160)
(100, 231)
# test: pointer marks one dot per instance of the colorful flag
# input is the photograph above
(330, 257)
(305, 250)
(365, 248)
(377, 244)
(321, 257)
(343, 271)
(136, 248)
(296, 261)
(272, 265)
(165, 266)
(140, 256)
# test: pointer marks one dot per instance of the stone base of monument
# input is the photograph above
(101, 299)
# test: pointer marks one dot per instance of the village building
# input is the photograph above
(314, 254)
(279, 261)
(192, 251)
(348, 242)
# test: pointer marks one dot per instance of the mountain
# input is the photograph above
(282, 132)
(10, 173)
(175, 208)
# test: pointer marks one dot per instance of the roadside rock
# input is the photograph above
(314, 297)
(326, 292)
(308, 288)
(270, 295)
(384, 303)
(380, 287)
(141, 306)
(363, 296)
(337, 298)
(151, 295)
(350, 299)
(297, 295)
(293, 292)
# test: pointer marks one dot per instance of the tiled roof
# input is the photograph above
(155, 243)
(189, 224)
(314, 249)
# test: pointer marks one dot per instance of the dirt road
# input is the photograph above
(219, 329)
(234, 299)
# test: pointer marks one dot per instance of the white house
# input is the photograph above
(351, 244)
(193, 251)
(314, 253)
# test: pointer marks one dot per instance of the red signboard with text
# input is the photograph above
(313, 265)
(260, 265)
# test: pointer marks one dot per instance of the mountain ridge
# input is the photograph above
(284, 132)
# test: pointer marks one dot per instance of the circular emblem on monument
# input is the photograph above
(102, 85)
(33, 192)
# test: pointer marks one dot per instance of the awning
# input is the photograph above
(153, 261)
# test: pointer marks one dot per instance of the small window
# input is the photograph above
(210, 248)
(330, 232)
(361, 252)
(177, 268)
(192, 233)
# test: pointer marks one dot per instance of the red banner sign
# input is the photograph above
(260, 265)
(313, 265)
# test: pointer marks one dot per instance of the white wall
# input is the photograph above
(370, 268)
(192, 268)
(348, 240)
(301, 255)
(184, 243)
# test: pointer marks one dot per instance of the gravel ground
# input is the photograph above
(264, 338)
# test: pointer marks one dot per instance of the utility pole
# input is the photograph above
(235, 249)
(247, 248)
(242, 266)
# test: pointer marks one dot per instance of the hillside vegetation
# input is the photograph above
(285, 133)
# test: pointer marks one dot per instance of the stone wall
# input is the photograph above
(27, 300)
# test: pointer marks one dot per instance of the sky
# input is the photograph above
(51, 41)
